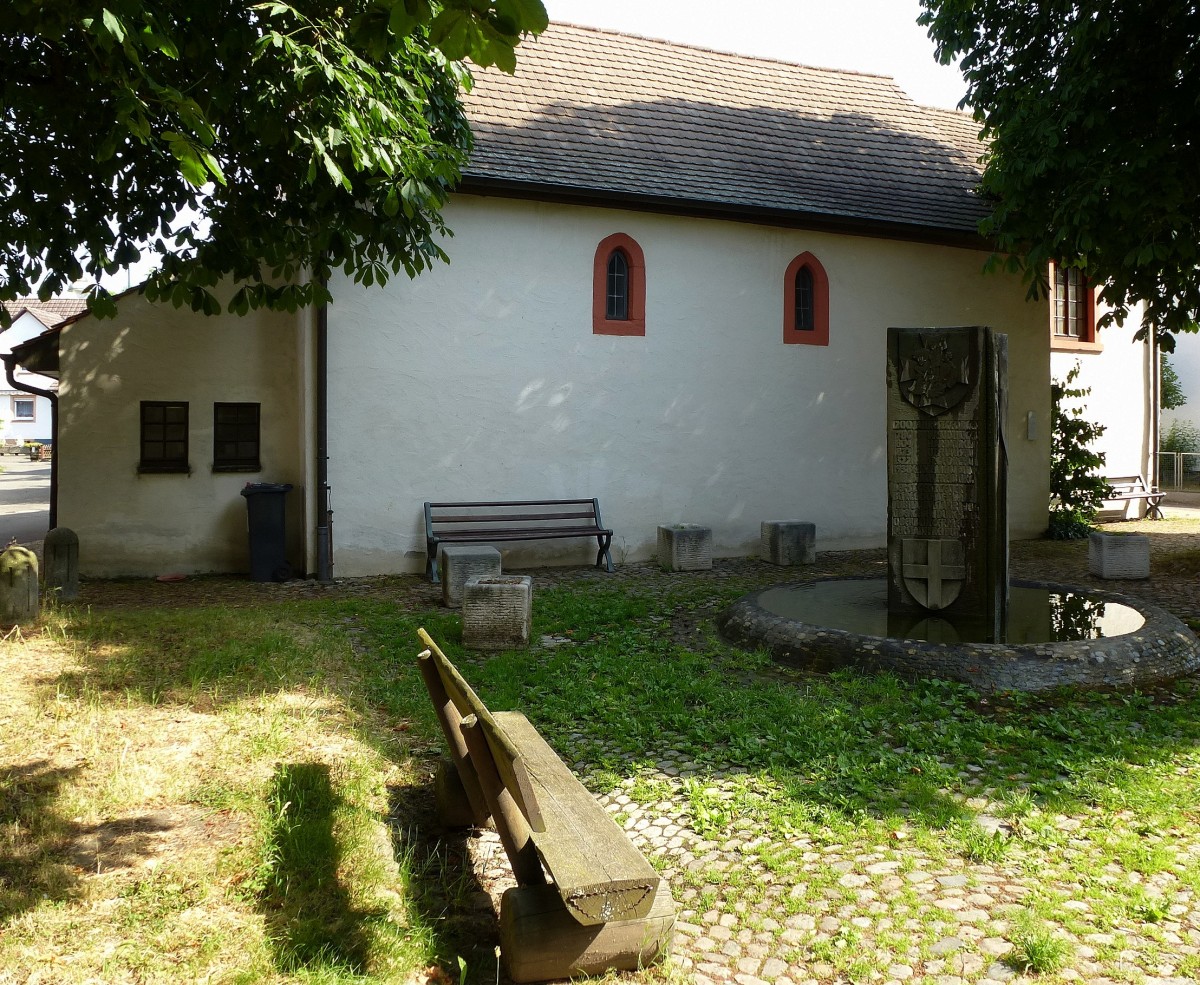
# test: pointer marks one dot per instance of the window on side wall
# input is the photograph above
(619, 287)
(1072, 311)
(805, 302)
(24, 409)
(164, 436)
(236, 437)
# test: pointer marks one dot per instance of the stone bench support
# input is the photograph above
(685, 547)
(497, 612)
(462, 562)
(788, 542)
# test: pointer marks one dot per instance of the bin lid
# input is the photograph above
(254, 488)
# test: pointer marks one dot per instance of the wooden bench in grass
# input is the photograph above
(586, 900)
(496, 522)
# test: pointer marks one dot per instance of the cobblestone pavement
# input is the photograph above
(807, 909)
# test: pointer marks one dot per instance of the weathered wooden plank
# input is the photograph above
(541, 941)
(508, 760)
(510, 824)
(449, 718)
(598, 872)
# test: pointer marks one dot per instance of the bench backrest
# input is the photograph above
(1127, 483)
(479, 517)
(509, 763)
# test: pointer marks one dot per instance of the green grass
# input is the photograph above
(304, 726)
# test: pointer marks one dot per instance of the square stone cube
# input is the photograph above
(788, 542)
(1119, 555)
(497, 612)
(685, 547)
(460, 562)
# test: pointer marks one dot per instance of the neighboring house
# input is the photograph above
(671, 280)
(25, 416)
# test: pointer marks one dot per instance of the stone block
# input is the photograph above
(788, 542)
(685, 547)
(497, 612)
(62, 563)
(459, 563)
(1119, 555)
(18, 587)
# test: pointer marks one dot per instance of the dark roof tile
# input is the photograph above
(613, 114)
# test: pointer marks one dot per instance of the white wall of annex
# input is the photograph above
(483, 380)
(143, 524)
(1119, 376)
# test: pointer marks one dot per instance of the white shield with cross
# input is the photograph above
(933, 570)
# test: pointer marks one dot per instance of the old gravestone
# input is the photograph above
(948, 474)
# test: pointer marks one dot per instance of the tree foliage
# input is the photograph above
(1077, 489)
(1092, 113)
(1170, 387)
(272, 143)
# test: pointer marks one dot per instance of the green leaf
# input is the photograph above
(113, 24)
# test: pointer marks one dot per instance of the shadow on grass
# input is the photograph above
(310, 921)
(33, 859)
(443, 890)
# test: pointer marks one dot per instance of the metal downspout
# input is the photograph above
(324, 504)
(1155, 407)
(10, 368)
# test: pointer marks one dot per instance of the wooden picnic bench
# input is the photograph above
(1130, 488)
(499, 521)
(586, 899)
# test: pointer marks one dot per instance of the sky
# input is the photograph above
(880, 37)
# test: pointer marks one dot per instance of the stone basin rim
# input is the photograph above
(1162, 649)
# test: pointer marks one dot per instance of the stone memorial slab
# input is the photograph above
(62, 563)
(18, 586)
(948, 472)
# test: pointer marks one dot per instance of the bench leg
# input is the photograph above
(1152, 510)
(431, 565)
(540, 940)
(603, 555)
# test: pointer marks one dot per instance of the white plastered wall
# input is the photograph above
(1119, 377)
(144, 524)
(483, 380)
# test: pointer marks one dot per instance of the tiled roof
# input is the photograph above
(50, 313)
(611, 115)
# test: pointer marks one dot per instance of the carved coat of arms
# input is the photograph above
(935, 371)
(933, 570)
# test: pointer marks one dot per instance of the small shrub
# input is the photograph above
(1181, 436)
(1077, 489)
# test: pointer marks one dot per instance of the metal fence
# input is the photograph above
(1179, 470)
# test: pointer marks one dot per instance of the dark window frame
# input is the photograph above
(617, 287)
(1072, 311)
(163, 443)
(237, 442)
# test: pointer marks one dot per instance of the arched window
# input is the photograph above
(805, 302)
(619, 287)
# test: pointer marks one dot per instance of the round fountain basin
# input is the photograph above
(1057, 636)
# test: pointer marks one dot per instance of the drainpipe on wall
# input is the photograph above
(324, 503)
(10, 372)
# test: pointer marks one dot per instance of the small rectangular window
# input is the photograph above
(164, 436)
(23, 409)
(236, 438)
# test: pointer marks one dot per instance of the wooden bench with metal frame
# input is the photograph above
(1129, 488)
(499, 521)
(586, 900)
